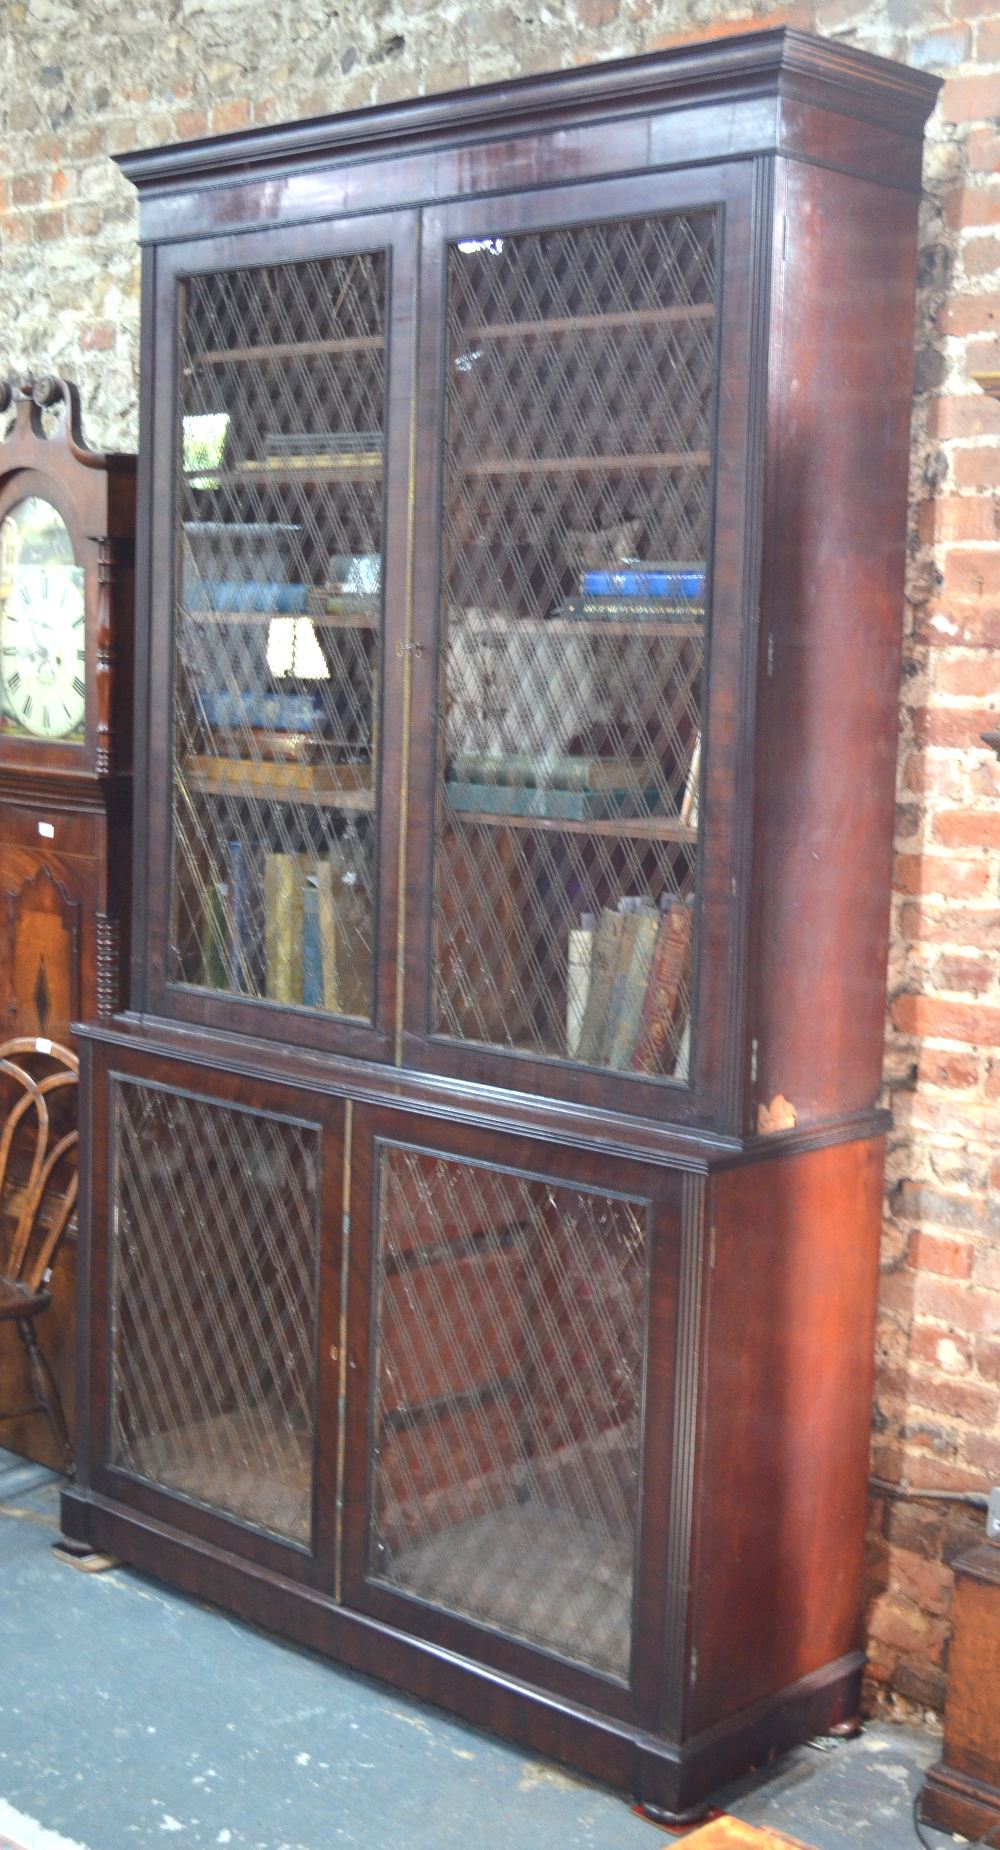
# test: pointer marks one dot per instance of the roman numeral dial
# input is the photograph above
(42, 626)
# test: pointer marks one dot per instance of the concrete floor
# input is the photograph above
(131, 1716)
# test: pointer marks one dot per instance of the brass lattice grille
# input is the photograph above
(577, 500)
(214, 1282)
(507, 1398)
(278, 638)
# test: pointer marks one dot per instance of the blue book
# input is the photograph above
(239, 595)
(682, 583)
(312, 946)
(269, 712)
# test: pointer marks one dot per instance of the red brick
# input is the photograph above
(988, 1359)
(929, 1252)
(957, 1071)
(972, 572)
(959, 517)
(950, 1352)
(927, 1583)
(984, 1452)
(971, 416)
(971, 99)
(958, 1305)
(975, 1023)
(926, 1472)
(192, 124)
(228, 117)
(98, 336)
(958, 1400)
(987, 1268)
(14, 228)
(27, 189)
(49, 226)
(971, 677)
(968, 828)
(988, 41)
(894, 1620)
(930, 773)
(978, 467)
(967, 623)
(982, 151)
(973, 205)
(957, 925)
(970, 314)
(916, 1201)
(928, 873)
(980, 257)
(960, 726)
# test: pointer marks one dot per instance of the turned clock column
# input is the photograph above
(67, 519)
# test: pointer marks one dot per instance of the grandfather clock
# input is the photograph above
(67, 521)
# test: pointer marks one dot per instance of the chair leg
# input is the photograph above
(46, 1392)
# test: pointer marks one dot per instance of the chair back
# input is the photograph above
(38, 1156)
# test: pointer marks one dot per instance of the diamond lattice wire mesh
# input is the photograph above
(576, 525)
(277, 657)
(214, 1292)
(507, 1393)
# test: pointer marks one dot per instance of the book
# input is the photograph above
(533, 771)
(631, 936)
(692, 787)
(685, 582)
(629, 991)
(240, 947)
(551, 805)
(262, 711)
(262, 777)
(327, 927)
(313, 986)
(240, 595)
(580, 946)
(635, 610)
(215, 954)
(668, 972)
(603, 962)
(283, 927)
(327, 460)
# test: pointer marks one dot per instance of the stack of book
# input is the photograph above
(553, 787)
(635, 975)
(310, 450)
(291, 927)
(668, 593)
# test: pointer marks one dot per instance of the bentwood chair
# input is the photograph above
(38, 1189)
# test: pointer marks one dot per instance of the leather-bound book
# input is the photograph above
(603, 965)
(629, 990)
(671, 959)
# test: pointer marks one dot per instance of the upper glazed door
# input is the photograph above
(579, 638)
(280, 437)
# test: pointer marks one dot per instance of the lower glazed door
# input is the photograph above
(509, 1414)
(215, 1272)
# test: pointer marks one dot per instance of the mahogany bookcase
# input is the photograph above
(473, 1293)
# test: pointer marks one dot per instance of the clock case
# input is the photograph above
(66, 809)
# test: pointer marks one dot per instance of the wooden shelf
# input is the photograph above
(586, 465)
(285, 350)
(583, 627)
(255, 478)
(638, 828)
(325, 620)
(680, 314)
(302, 795)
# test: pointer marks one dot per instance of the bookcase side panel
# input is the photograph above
(834, 546)
(789, 1368)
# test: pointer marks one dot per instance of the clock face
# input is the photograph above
(42, 627)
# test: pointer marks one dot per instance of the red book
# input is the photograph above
(668, 972)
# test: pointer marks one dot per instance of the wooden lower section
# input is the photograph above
(962, 1792)
(666, 1778)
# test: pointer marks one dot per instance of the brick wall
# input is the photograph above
(81, 79)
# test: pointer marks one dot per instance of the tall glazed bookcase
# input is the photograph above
(483, 1188)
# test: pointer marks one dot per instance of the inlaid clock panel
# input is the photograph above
(42, 626)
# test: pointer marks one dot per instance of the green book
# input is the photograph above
(215, 936)
(603, 963)
(283, 925)
(629, 990)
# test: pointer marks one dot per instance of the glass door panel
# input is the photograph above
(575, 596)
(278, 632)
(507, 1401)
